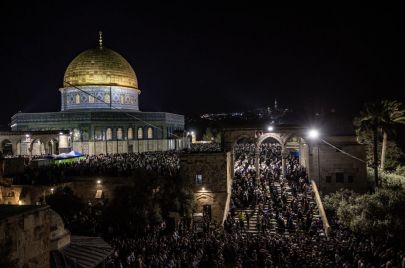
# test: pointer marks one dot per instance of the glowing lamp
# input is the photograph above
(313, 134)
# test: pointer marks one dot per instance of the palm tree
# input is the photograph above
(370, 120)
(392, 114)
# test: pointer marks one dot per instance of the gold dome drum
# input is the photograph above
(100, 66)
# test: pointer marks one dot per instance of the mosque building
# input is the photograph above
(99, 114)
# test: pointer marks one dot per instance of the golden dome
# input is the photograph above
(100, 66)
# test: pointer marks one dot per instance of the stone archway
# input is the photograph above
(243, 138)
(18, 147)
(37, 147)
(7, 147)
(256, 135)
(272, 138)
(275, 136)
(51, 147)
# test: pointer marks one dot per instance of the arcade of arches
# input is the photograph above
(212, 173)
(290, 142)
(324, 164)
(50, 142)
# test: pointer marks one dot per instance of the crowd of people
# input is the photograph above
(288, 229)
(164, 163)
(273, 220)
(115, 165)
(203, 147)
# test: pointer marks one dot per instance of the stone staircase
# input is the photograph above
(253, 213)
(273, 229)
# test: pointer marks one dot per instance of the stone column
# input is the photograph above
(64, 143)
(257, 163)
(284, 155)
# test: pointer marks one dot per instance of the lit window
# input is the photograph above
(140, 133)
(77, 98)
(76, 134)
(199, 179)
(109, 134)
(119, 133)
(150, 133)
(85, 134)
(98, 134)
(99, 194)
(130, 134)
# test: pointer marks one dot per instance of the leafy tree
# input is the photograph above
(148, 202)
(134, 207)
(208, 136)
(393, 114)
(370, 120)
(218, 137)
(394, 154)
(379, 117)
(371, 214)
(176, 196)
(332, 202)
(65, 203)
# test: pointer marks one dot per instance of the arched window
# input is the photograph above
(130, 133)
(99, 134)
(119, 133)
(109, 134)
(76, 135)
(150, 133)
(140, 133)
(85, 134)
(107, 98)
(91, 99)
(77, 98)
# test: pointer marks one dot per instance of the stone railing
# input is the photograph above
(322, 213)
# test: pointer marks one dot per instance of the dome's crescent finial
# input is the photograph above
(100, 39)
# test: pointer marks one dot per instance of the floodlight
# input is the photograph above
(313, 134)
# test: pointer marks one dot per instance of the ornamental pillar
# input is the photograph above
(257, 163)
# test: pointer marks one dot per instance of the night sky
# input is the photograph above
(207, 59)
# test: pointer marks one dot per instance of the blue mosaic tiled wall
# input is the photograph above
(98, 97)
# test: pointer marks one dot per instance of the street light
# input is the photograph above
(314, 134)
(270, 128)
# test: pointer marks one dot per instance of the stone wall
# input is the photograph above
(27, 194)
(30, 142)
(86, 187)
(209, 174)
(26, 236)
(338, 170)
